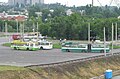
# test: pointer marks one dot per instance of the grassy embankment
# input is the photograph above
(81, 70)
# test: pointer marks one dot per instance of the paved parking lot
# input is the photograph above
(9, 56)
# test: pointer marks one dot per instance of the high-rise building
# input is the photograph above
(24, 2)
(37, 2)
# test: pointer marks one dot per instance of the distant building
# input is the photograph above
(37, 2)
(69, 12)
(25, 2)
(5, 16)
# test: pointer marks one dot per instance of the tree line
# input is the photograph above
(58, 25)
(73, 27)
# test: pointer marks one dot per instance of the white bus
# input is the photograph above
(27, 46)
(77, 47)
(45, 45)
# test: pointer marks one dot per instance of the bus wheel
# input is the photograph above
(41, 48)
(67, 50)
(102, 51)
(15, 48)
(27, 48)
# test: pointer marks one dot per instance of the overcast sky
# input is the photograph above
(76, 2)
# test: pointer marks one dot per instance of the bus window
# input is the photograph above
(98, 46)
(47, 43)
(81, 46)
(50, 43)
(31, 44)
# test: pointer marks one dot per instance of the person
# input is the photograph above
(60, 40)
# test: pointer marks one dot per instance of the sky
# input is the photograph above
(77, 2)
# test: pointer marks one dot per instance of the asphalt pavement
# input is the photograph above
(116, 77)
(12, 57)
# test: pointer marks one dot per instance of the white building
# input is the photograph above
(69, 12)
(33, 2)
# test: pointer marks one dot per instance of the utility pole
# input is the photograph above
(6, 29)
(37, 26)
(112, 37)
(21, 33)
(33, 27)
(104, 42)
(17, 25)
(92, 3)
(88, 32)
(23, 27)
(116, 32)
(37, 32)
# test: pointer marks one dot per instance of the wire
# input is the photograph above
(110, 2)
(117, 3)
(99, 2)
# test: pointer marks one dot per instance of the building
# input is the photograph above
(14, 2)
(69, 12)
(5, 16)
(25, 2)
(37, 1)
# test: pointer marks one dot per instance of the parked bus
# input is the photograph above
(25, 46)
(45, 45)
(77, 47)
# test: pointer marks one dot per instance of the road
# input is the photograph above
(116, 77)
(12, 57)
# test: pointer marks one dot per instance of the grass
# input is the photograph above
(78, 70)
(5, 68)
(57, 46)
(116, 47)
(7, 44)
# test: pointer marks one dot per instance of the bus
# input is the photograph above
(85, 48)
(45, 45)
(25, 46)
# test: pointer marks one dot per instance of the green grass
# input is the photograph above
(116, 47)
(57, 46)
(5, 68)
(7, 44)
